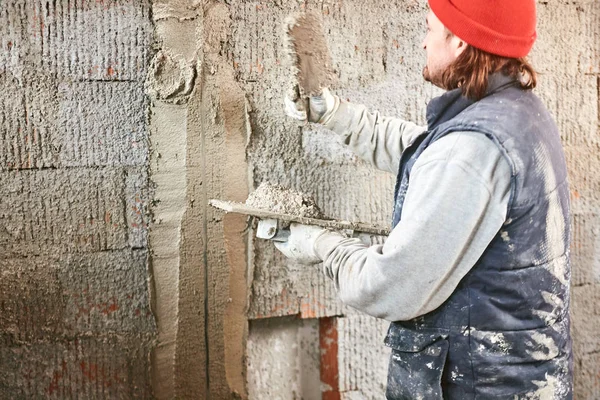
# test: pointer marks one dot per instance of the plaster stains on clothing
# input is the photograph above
(543, 347)
(497, 340)
(550, 388)
(553, 311)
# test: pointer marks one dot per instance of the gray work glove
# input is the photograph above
(320, 108)
(301, 244)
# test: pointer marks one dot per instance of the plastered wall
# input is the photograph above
(121, 119)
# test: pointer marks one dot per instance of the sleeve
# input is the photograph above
(455, 205)
(376, 139)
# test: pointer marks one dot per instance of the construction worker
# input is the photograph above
(475, 272)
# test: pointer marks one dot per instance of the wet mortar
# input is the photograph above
(280, 200)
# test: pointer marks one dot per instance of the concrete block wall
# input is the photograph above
(75, 315)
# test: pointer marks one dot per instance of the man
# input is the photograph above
(475, 272)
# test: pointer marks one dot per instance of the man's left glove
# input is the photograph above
(301, 244)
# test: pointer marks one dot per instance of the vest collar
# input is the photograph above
(447, 106)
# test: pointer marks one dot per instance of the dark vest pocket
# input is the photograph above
(416, 364)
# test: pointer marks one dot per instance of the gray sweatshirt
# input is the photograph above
(456, 203)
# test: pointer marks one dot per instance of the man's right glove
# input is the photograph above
(320, 108)
(303, 247)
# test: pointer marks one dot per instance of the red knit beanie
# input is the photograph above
(502, 27)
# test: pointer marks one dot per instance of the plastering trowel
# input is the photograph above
(309, 60)
(308, 56)
(275, 226)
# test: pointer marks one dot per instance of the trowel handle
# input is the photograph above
(282, 235)
(306, 105)
(272, 229)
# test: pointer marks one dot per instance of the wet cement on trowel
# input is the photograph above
(277, 199)
(306, 45)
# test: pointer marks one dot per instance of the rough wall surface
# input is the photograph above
(290, 370)
(76, 157)
(75, 316)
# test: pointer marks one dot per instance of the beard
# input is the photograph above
(435, 79)
(426, 74)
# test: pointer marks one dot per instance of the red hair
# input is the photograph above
(471, 70)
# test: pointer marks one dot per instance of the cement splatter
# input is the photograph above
(546, 348)
(557, 305)
(499, 340)
(285, 201)
(170, 77)
(549, 389)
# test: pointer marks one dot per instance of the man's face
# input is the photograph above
(442, 49)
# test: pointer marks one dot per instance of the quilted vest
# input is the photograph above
(504, 332)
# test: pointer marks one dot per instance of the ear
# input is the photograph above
(458, 45)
